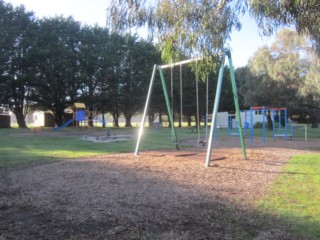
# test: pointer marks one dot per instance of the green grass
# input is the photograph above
(295, 195)
(22, 146)
(17, 147)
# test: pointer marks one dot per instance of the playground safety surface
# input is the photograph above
(155, 195)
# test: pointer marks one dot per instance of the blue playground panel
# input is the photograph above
(81, 116)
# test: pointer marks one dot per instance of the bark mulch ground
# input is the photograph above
(155, 195)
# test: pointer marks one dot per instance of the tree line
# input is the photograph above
(285, 74)
(50, 63)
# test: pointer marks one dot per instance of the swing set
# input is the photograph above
(160, 68)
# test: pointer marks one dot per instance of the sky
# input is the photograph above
(243, 44)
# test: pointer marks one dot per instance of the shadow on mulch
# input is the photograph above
(160, 196)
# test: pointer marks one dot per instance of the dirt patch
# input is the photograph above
(155, 195)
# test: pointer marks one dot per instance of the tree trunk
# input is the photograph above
(58, 116)
(20, 119)
(151, 118)
(314, 118)
(189, 121)
(128, 120)
(180, 123)
(115, 119)
(103, 120)
(90, 119)
(269, 122)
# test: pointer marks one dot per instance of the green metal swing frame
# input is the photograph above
(225, 53)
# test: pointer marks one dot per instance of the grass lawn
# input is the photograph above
(22, 146)
(295, 195)
(18, 147)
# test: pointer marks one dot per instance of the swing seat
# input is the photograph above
(286, 136)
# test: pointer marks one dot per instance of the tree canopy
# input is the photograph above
(50, 63)
(280, 76)
(202, 27)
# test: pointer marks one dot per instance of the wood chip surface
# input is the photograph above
(155, 195)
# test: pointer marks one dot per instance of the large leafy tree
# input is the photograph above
(57, 57)
(111, 87)
(281, 73)
(139, 57)
(303, 14)
(187, 27)
(91, 59)
(94, 62)
(18, 30)
(203, 26)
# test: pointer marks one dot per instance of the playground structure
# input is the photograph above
(225, 54)
(81, 116)
(281, 126)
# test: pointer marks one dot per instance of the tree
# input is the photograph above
(303, 14)
(94, 60)
(57, 83)
(280, 72)
(187, 27)
(138, 60)
(194, 27)
(111, 88)
(18, 31)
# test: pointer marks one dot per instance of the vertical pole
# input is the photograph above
(236, 103)
(197, 104)
(207, 105)
(164, 87)
(251, 126)
(273, 124)
(264, 124)
(305, 133)
(181, 96)
(145, 110)
(207, 118)
(285, 123)
(279, 123)
(215, 110)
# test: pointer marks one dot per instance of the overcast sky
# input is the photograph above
(243, 44)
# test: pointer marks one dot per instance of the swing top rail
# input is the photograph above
(171, 65)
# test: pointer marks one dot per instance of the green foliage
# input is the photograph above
(282, 73)
(295, 195)
(54, 62)
(303, 14)
(56, 56)
(18, 31)
(201, 27)
(187, 27)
